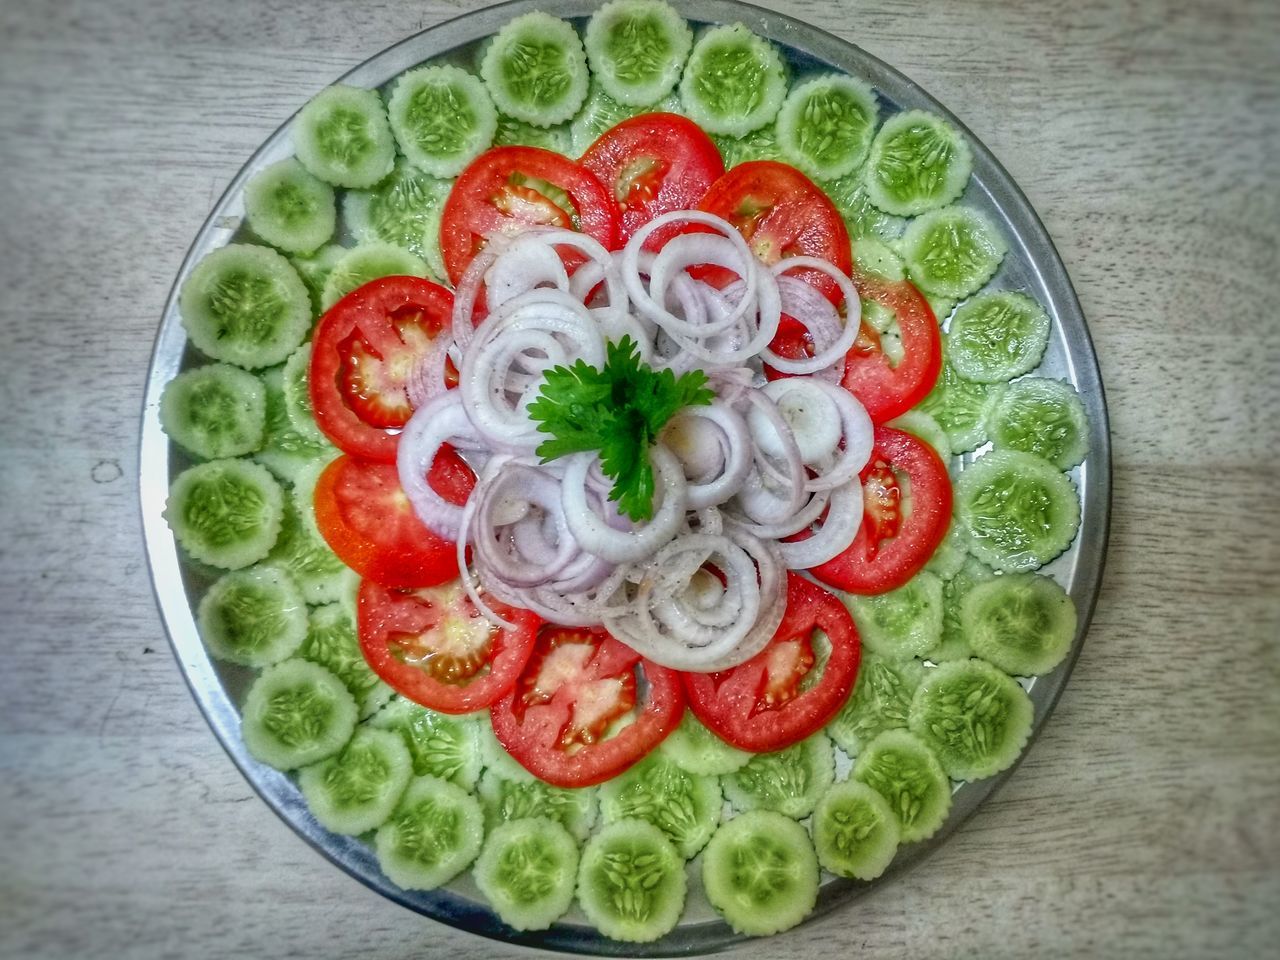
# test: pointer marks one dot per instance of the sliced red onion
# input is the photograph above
(597, 537)
(717, 478)
(441, 420)
(526, 264)
(838, 530)
(831, 346)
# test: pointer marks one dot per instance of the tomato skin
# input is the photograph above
(365, 517)
(386, 614)
(486, 198)
(872, 565)
(533, 729)
(741, 705)
(364, 347)
(653, 164)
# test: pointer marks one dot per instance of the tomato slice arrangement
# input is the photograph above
(763, 704)
(579, 683)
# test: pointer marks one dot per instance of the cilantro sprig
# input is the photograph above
(618, 410)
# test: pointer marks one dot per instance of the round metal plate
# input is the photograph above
(1032, 265)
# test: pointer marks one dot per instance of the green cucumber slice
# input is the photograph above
(527, 871)
(942, 307)
(289, 208)
(514, 799)
(961, 408)
(600, 112)
(789, 781)
(516, 133)
(759, 144)
(342, 137)
(366, 262)
(997, 336)
(301, 553)
(331, 641)
(297, 395)
(296, 713)
(314, 269)
(214, 411)
(760, 872)
(975, 718)
(900, 767)
(948, 559)
(226, 513)
(631, 882)
(955, 636)
(399, 211)
(695, 749)
(924, 427)
(734, 81)
(253, 617)
(902, 623)
(442, 118)
(433, 835)
(536, 70)
(1042, 417)
(855, 832)
(443, 746)
(917, 162)
(245, 304)
(285, 451)
(637, 49)
(1022, 623)
(684, 806)
(877, 258)
(952, 252)
(1020, 511)
(861, 216)
(304, 481)
(825, 125)
(881, 701)
(355, 790)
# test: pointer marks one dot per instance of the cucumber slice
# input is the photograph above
(536, 70)
(304, 481)
(881, 701)
(902, 623)
(1023, 623)
(214, 411)
(684, 806)
(314, 569)
(918, 162)
(342, 137)
(789, 781)
(514, 799)
(285, 451)
(517, 133)
(355, 790)
(442, 746)
(599, 113)
(695, 749)
(433, 835)
(226, 513)
(942, 307)
(296, 713)
(314, 269)
(760, 872)
(877, 258)
(366, 262)
(297, 395)
(974, 717)
(952, 252)
(825, 125)
(399, 211)
(637, 49)
(1019, 511)
(527, 871)
(961, 408)
(631, 882)
(923, 426)
(955, 636)
(855, 832)
(861, 216)
(734, 82)
(902, 769)
(997, 336)
(948, 559)
(289, 208)
(331, 641)
(760, 144)
(442, 118)
(1042, 417)
(246, 305)
(253, 617)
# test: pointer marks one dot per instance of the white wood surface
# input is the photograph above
(1144, 823)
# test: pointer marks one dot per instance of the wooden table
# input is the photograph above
(1145, 822)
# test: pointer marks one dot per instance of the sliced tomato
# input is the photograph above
(433, 646)
(579, 684)
(774, 700)
(896, 539)
(781, 213)
(654, 163)
(363, 514)
(509, 189)
(365, 349)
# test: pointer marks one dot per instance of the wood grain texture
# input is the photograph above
(1146, 820)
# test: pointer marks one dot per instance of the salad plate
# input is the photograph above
(1031, 265)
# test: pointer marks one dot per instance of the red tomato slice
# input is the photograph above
(365, 517)
(760, 705)
(433, 646)
(654, 163)
(781, 213)
(365, 348)
(893, 544)
(508, 189)
(578, 683)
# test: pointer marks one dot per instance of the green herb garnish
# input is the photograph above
(618, 410)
